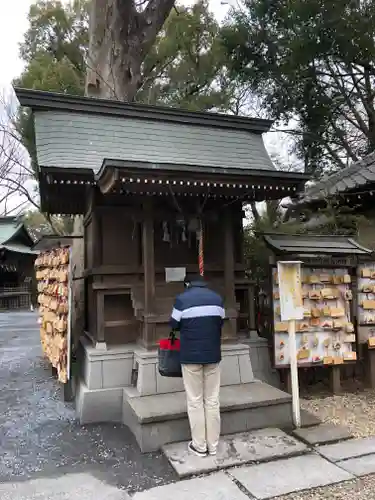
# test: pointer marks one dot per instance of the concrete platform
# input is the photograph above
(216, 487)
(287, 476)
(348, 449)
(237, 449)
(160, 419)
(322, 434)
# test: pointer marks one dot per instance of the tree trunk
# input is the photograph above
(120, 38)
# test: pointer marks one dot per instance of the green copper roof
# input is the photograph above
(14, 236)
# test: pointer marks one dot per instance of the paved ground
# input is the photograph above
(39, 437)
(46, 455)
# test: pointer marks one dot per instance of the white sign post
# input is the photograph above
(291, 309)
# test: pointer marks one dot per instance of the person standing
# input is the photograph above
(198, 314)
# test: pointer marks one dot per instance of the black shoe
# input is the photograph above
(192, 449)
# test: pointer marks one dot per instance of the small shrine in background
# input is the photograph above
(17, 256)
(161, 192)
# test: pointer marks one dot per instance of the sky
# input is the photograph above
(13, 24)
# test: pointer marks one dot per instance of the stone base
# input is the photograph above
(160, 419)
(235, 369)
(131, 365)
(123, 384)
(260, 360)
(237, 449)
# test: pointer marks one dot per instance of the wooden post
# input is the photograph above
(288, 381)
(100, 334)
(336, 379)
(149, 270)
(251, 308)
(97, 240)
(294, 373)
(230, 299)
(370, 358)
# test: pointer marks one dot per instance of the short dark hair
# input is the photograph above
(190, 277)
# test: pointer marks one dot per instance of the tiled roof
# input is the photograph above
(300, 244)
(356, 176)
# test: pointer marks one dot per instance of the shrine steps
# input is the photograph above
(161, 419)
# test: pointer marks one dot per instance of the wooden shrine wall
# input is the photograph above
(114, 266)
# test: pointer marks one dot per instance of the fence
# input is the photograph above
(13, 297)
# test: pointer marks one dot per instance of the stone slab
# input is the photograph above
(322, 434)
(348, 449)
(216, 487)
(162, 407)
(287, 476)
(80, 486)
(308, 419)
(361, 466)
(237, 449)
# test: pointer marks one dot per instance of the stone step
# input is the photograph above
(322, 434)
(234, 450)
(282, 477)
(161, 419)
(353, 448)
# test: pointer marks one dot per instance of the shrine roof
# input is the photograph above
(359, 175)
(80, 132)
(14, 237)
(50, 101)
(83, 142)
(303, 244)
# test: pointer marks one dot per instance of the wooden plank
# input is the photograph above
(119, 322)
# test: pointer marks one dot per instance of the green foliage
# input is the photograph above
(39, 225)
(336, 218)
(55, 46)
(314, 62)
(186, 66)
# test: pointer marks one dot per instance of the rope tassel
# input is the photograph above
(200, 251)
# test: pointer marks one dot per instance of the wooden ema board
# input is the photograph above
(52, 274)
(366, 302)
(326, 334)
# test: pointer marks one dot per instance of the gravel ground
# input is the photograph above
(361, 489)
(39, 435)
(353, 410)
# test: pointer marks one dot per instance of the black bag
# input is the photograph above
(169, 357)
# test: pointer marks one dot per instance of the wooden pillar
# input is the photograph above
(252, 308)
(100, 334)
(148, 253)
(288, 381)
(230, 329)
(97, 240)
(336, 379)
(370, 368)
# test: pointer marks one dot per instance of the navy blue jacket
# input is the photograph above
(198, 313)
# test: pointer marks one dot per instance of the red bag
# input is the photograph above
(169, 357)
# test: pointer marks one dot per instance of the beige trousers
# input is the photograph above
(202, 386)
